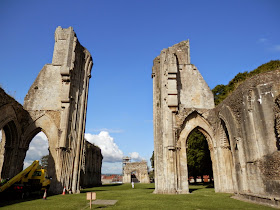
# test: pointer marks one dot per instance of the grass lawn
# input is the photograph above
(140, 197)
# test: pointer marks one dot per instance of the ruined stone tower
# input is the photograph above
(242, 132)
(56, 104)
(58, 97)
(178, 86)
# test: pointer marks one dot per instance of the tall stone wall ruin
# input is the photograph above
(91, 166)
(56, 104)
(178, 88)
(13, 121)
(242, 132)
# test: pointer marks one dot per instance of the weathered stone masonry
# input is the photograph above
(242, 132)
(56, 104)
(178, 87)
(140, 169)
(91, 166)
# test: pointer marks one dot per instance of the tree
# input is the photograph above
(222, 91)
(44, 161)
(198, 155)
(152, 160)
(152, 172)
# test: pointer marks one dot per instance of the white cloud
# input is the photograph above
(135, 156)
(109, 149)
(37, 148)
(112, 155)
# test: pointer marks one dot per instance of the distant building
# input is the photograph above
(111, 178)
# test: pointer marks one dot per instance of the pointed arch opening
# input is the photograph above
(46, 125)
(227, 150)
(8, 154)
(38, 150)
(194, 121)
(134, 177)
(199, 161)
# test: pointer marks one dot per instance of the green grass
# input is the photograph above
(140, 197)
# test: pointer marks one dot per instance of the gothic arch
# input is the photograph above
(9, 145)
(43, 123)
(237, 153)
(227, 116)
(8, 114)
(192, 121)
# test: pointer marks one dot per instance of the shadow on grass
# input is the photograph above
(91, 190)
(191, 190)
(207, 184)
(10, 198)
(210, 185)
(198, 186)
(110, 185)
(106, 185)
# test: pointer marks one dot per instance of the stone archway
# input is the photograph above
(232, 151)
(8, 157)
(193, 121)
(134, 176)
(10, 149)
(48, 127)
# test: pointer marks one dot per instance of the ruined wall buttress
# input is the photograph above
(62, 87)
(177, 85)
(253, 136)
(242, 132)
(13, 120)
(91, 166)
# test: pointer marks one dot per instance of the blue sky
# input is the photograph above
(226, 37)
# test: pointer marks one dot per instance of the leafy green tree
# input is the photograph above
(44, 161)
(152, 172)
(198, 155)
(222, 91)
(152, 160)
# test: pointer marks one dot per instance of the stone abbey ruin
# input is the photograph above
(242, 132)
(56, 104)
